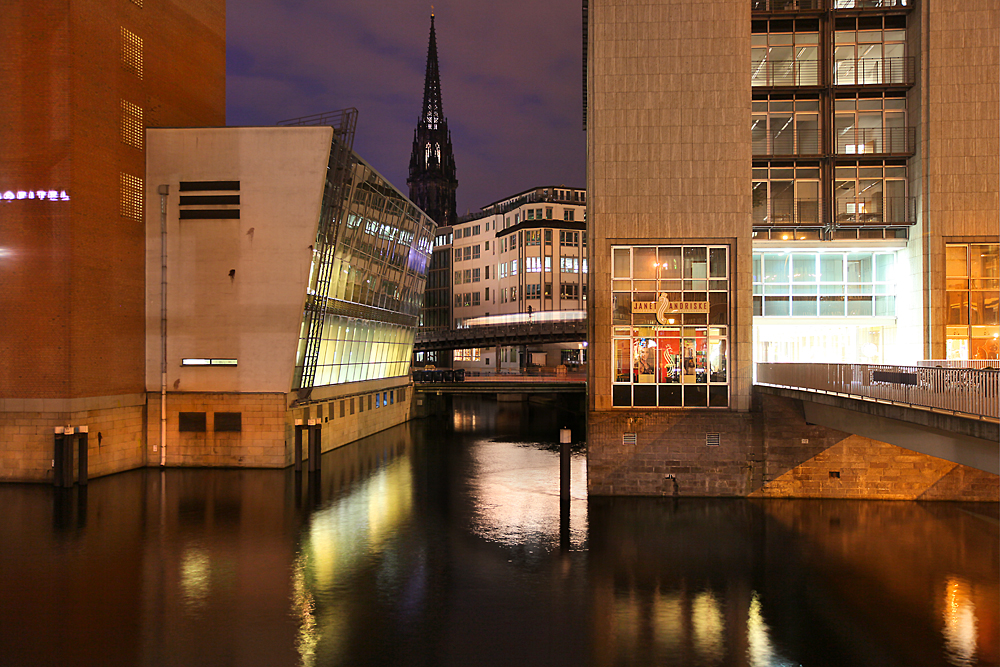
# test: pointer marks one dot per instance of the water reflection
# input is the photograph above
(440, 543)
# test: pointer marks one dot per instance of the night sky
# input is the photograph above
(511, 76)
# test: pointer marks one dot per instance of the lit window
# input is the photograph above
(132, 52)
(132, 125)
(131, 196)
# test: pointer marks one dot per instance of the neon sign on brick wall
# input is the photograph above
(49, 195)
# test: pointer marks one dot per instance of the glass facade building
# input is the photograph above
(366, 288)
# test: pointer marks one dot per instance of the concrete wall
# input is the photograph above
(236, 288)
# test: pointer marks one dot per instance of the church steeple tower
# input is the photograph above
(432, 178)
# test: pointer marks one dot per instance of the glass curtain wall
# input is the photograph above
(973, 283)
(375, 284)
(670, 319)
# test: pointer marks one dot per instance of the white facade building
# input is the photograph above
(523, 254)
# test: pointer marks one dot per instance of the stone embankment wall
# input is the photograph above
(768, 452)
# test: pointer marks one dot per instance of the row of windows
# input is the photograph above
(352, 350)
(540, 264)
(532, 237)
(538, 291)
(380, 399)
(222, 422)
(469, 252)
(469, 276)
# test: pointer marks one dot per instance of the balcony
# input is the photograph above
(872, 4)
(874, 72)
(786, 143)
(789, 5)
(778, 73)
(791, 212)
(875, 211)
(876, 141)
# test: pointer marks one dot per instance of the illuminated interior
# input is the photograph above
(973, 281)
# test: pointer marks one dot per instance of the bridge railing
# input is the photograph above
(973, 392)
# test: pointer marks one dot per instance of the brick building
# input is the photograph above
(82, 80)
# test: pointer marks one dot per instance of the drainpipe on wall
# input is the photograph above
(163, 190)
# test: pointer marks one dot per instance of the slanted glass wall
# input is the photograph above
(370, 265)
(670, 320)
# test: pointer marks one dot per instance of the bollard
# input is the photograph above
(57, 455)
(82, 443)
(67, 459)
(298, 445)
(565, 436)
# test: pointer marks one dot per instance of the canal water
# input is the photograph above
(444, 542)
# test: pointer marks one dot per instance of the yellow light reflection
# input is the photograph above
(960, 627)
(196, 571)
(760, 649)
(709, 626)
(305, 607)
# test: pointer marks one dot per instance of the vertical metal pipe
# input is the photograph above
(163, 192)
(565, 435)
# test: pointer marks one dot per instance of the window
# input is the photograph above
(487, 246)
(533, 237)
(785, 127)
(228, 422)
(487, 272)
(569, 264)
(472, 354)
(475, 298)
(548, 212)
(475, 230)
(531, 214)
(486, 294)
(458, 277)
(513, 293)
(872, 126)
(209, 362)
(475, 251)
(670, 320)
(467, 299)
(538, 213)
(132, 52)
(467, 276)
(569, 238)
(131, 196)
(458, 300)
(824, 284)
(786, 196)
(973, 280)
(783, 58)
(458, 254)
(467, 253)
(513, 267)
(132, 126)
(866, 57)
(532, 264)
(569, 291)
(475, 275)
(548, 237)
(548, 290)
(532, 291)
(871, 194)
(568, 214)
(191, 422)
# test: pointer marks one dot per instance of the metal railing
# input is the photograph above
(788, 212)
(875, 211)
(972, 392)
(874, 72)
(790, 142)
(785, 73)
(787, 5)
(877, 141)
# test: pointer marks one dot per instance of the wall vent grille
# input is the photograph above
(712, 439)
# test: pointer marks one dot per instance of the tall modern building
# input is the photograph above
(82, 80)
(773, 180)
(432, 184)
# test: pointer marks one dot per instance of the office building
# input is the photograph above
(778, 181)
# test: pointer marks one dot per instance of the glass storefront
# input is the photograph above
(670, 321)
(835, 306)
(973, 280)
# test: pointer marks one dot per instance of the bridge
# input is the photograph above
(541, 382)
(939, 408)
(506, 335)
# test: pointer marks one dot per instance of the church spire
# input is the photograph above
(432, 178)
